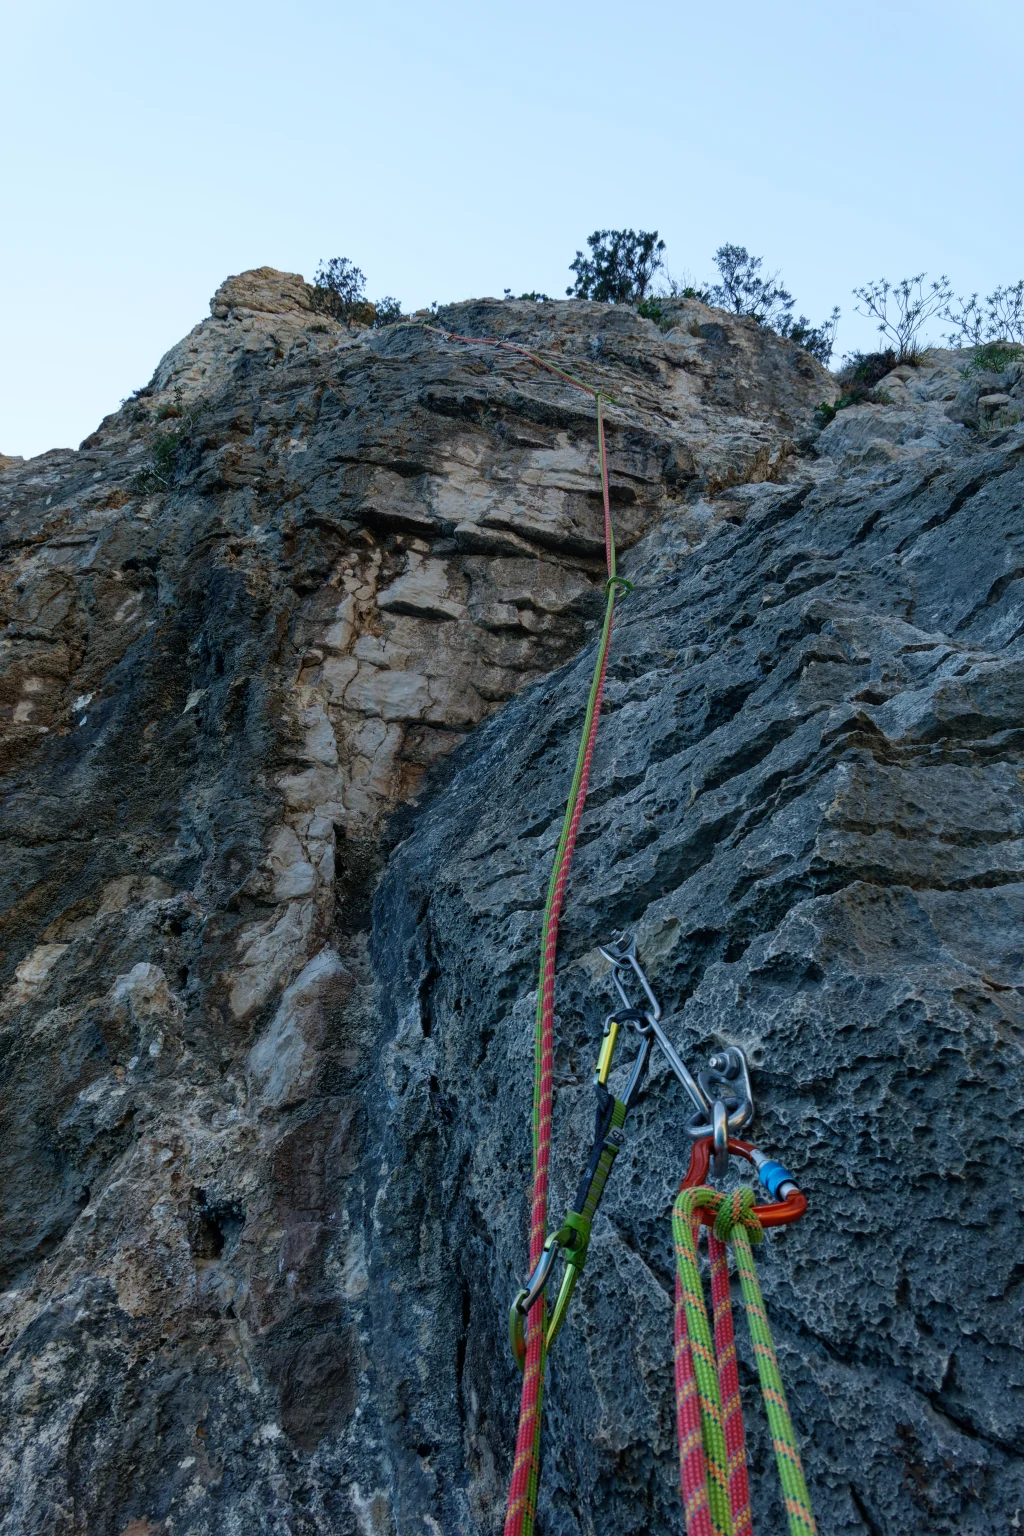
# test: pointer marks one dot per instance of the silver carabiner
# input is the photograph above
(622, 956)
(721, 1096)
(719, 1140)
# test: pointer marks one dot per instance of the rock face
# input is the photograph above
(296, 652)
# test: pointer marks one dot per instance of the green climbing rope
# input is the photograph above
(736, 1223)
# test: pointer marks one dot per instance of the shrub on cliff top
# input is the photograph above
(994, 356)
(745, 290)
(860, 373)
(818, 340)
(339, 290)
(902, 308)
(620, 266)
(997, 320)
(386, 311)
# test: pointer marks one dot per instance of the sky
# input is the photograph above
(453, 150)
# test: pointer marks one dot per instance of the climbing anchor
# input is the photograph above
(712, 1457)
(722, 1102)
(721, 1095)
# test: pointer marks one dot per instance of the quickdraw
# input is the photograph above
(722, 1103)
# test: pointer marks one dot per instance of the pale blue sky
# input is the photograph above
(455, 149)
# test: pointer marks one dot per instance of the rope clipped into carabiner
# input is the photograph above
(712, 1454)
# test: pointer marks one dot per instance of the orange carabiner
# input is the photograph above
(779, 1214)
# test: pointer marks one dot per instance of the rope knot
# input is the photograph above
(620, 582)
(732, 1213)
(737, 1210)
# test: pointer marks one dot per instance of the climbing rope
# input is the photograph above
(712, 1458)
(522, 1499)
(522, 1502)
(719, 1458)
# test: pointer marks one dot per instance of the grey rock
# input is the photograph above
(290, 708)
(807, 804)
(987, 399)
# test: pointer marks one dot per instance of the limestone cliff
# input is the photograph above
(294, 662)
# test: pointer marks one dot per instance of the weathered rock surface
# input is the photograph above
(264, 1154)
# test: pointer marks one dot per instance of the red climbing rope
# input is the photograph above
(522, 1503)
(712, 1455)
(693, 1468)
(729, 1386)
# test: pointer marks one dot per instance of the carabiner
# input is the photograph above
(612, 1025)
(788, 1204)
(622, 957)
(573, 1239)
(720, 1140)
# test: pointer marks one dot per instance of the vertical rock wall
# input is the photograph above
(264, 1160)
(807, 804)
